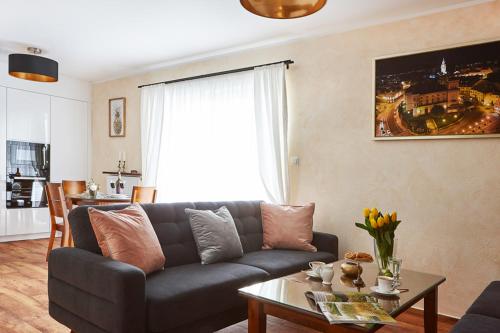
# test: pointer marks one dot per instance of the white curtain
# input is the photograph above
(152, 110)
(218, 138)
(271, 124)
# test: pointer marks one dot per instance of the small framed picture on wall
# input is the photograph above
(117, 117)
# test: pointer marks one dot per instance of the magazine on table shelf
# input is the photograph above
(350, 307)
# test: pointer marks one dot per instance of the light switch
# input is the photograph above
(295, 160)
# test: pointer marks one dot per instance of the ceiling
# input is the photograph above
(98, 40)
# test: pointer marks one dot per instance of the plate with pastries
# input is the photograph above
(358, 257)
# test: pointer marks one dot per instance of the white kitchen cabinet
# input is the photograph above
(68, 140)
(27, 221)
(45, 119)
(28, 116)
(3, 167)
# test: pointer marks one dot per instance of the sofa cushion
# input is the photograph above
(247, 218)
(215, 235)
(126, 235)
(283, 262)
(288, 227)
(487, 303)
(186, 293)
(475, 323)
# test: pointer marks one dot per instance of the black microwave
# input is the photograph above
(28, 170)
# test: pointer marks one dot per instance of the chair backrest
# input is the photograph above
(172, 227)
(143, 194)
(74, 186)
(54, 199)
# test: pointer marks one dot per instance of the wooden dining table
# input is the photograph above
(101, 199)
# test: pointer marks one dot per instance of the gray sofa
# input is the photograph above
(483, 316)
(93, 294)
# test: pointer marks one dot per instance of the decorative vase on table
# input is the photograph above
(381, 227)
(93, 188)
(383, 252)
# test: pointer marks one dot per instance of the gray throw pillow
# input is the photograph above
(215, 234)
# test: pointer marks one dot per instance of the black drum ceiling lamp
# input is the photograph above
(33, 67)
(283, 9)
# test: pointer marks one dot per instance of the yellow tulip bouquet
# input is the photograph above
(381, 227)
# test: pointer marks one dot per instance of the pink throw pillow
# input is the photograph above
(288, 227)
(127, 235)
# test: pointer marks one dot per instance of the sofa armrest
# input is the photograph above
(92, 293)
(326, 242)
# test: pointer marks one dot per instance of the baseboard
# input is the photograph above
(420, 312)
(13, 238)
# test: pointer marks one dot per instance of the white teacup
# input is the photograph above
(326, 272)
(385, 283)
(315, 266)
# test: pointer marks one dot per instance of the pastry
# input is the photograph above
(358, 256)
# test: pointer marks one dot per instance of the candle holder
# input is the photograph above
(119, 165)
(123, 166)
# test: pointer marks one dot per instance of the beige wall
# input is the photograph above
(447, 192)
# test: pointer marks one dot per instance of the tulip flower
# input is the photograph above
(394, 216)
(382, 227)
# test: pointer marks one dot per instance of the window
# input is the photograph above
(218, 138)
(208, 146)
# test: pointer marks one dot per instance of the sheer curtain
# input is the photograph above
(271, 123)
(208, 139)
(152, 110)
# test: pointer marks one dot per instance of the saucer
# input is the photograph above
(378, 291)
(312, 274)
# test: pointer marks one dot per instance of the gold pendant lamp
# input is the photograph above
(283, 9)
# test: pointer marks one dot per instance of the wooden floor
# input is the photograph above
(23, 297)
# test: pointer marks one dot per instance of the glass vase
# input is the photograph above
(383, 251)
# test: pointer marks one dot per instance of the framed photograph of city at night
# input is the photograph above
(447, 93)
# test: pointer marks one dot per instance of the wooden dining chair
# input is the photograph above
(73, 187)
(57, 209)
(143, 194)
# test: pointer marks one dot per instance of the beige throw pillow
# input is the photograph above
(288, 227)
(127, 235)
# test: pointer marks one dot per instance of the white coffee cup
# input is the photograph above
(315, 266)
(326, 272)
(385, 283)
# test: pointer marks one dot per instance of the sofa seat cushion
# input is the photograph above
(186, 293)
(283, 262)
(475, 323)
(487, 303)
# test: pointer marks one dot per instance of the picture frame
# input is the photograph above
(416, 98)
(117, 117)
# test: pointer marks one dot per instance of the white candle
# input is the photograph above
(119, 156)
(124, 156)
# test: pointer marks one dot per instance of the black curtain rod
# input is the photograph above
(286, 62)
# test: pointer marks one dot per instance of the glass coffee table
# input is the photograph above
(285, 298)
